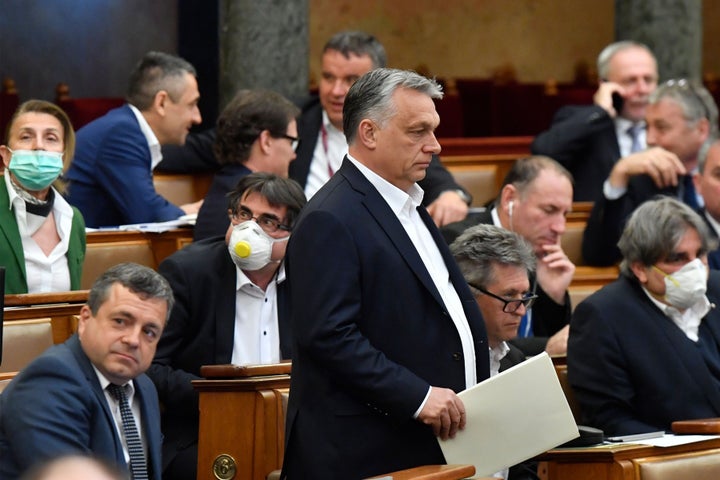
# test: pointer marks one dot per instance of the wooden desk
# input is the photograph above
(242, 421)
(618, 462)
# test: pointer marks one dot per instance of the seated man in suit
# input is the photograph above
(495, 263)
(644, 350)
(707, 184)
(589, 139)
(231, 307)
(385, 329)
(533, 202)
(346, 57)
(256, 132)
(680, 117)
(110, 179)
(90, 395)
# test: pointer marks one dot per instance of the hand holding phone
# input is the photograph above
(618, 102)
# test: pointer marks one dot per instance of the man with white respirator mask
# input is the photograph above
(644, 351)
(231, 306)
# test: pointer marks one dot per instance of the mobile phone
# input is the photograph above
(617, 102)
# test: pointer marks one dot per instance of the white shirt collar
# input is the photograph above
(395, 198)
(242, 280)
(687, 321)
(152, 141)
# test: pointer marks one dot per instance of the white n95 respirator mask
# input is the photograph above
(250, 247)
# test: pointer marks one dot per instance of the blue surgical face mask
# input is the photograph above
(35, 169)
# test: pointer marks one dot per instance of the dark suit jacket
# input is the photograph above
(197, 155)
(548, 317)
(212, 219)
(56, 406)
(110, 178)
(371, 334)
(583, 140)
(12, 256)
(608, 217)
(199, 332)
(632, 369)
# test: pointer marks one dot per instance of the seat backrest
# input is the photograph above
(101, 256)
(571, 242)
(5, 379)
(481, 181)
(561, 371)
(703, 465)
(182, 188)
(23, 340)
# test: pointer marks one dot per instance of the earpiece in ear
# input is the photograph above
(510, 207)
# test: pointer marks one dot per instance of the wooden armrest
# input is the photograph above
(432, 472)
(243, 371)
(700, 426)
(21, 299)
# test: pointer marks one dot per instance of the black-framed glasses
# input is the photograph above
(510, 305)
(295, 141)
(268, 223)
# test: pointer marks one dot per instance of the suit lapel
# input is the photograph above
(378, 208)
(9, 228)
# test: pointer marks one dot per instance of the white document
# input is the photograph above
(512, 417)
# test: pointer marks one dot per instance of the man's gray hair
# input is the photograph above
(654, 230)
(694, 99)
(139, 279)
(154, 72)
(607, 53)
(371, 96)
(524, 171)
(481, 247)
(359, 44)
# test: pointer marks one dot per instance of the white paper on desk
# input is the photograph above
(512, 417)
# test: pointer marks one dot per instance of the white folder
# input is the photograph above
(512, 417)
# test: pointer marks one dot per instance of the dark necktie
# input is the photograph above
(634, 133)
(689, 196)
(138, 467)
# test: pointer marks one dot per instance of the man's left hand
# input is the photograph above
(447, 208)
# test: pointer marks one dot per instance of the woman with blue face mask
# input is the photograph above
(42, 238)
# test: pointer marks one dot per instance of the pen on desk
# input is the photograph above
(636, 437)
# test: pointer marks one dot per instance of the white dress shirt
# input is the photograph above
(256, 336)
(152, 141)
(330, 149)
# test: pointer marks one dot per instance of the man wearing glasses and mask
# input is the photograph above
(643, 351)
(231, 307)
(496, 264)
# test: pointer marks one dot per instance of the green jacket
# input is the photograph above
(12, 256)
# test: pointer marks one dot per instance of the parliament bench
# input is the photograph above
(61, 308)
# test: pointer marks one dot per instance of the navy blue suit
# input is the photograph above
(713, 256)
(110, 178)
(583, 140)
(633, 370)
(370, 335)
(199, 332)
(56, 406)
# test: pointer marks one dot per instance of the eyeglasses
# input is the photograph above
(268, 223)
(510, 305)
(683, 85)
(295, 140)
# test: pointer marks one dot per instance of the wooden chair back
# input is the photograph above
(480, 181)
(5, 379)
(23, 341)
(103, 255)
(561, 371)
(182, 188)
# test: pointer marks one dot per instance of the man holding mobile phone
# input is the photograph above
(588, 140)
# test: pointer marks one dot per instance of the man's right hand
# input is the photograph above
(444, 412)
(662, 166)
(603, 97)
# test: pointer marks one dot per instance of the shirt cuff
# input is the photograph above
(613, 193)
(417, 412)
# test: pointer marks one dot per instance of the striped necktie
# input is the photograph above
(138, 466)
